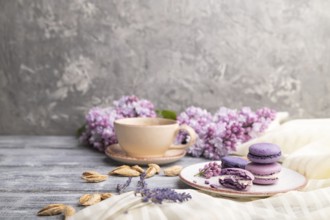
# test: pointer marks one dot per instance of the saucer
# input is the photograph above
(116, 153)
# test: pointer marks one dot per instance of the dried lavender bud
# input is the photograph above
(158, 195)
(207, 182)
(121, 187)
(141, 184)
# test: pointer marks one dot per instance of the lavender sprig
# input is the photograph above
(157, 195)
(141, 184)
(121, 187)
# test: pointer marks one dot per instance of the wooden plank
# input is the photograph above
(26, 205)
(36, 171)
(40, 156)
(38, 141)
(62, 157)
(71, 182)
(67, 178)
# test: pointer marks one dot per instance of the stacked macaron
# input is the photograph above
(264, 166)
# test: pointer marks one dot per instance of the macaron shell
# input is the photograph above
(264, 149)
(263, 159)
(264, 181)
(234, 162)
(264, 169)
(244, 174)
(267, 172)
(264, 153)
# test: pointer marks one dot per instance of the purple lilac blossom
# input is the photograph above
(265, 117)
(99, 130)
(209, 170)
(132, 106)
(214, 147)
(199, 119)
(196, 118)
(221, 133)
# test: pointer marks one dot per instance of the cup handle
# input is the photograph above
(191, 133)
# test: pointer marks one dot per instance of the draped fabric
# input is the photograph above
(306, 149)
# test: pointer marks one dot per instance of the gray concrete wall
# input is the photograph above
(58, 58)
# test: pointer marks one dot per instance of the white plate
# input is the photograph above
(116, 153)
(288, 180)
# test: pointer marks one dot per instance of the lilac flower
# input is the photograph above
(199, 119)
(215, 147)
(132, 106)
(209, 170)
(202, 122)
(221, 133)
(196, 118)
(248, 119)
(265, 117)
(232, 123)
(99, 129)
(256, 122)
(217, 135)
(226, 115)
(198, 148)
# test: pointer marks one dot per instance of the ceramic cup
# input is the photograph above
(150, 137)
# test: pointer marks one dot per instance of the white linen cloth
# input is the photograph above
(306, 146)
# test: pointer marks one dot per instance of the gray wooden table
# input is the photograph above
(38, 170)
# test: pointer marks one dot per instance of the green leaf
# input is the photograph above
(81, 130)
(166, 114)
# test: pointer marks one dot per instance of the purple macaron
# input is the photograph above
(234, 162)
(236, 178)
(264, 174)
(264, 153)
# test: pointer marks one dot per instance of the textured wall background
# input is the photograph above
(59, 58)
